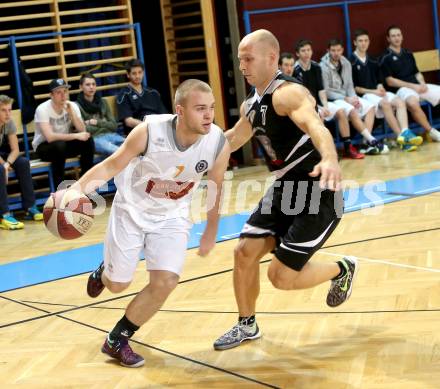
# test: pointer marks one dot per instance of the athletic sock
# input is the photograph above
(347, 143)
(246, 320)
(123, 329)
(367, 136)
(342, 271)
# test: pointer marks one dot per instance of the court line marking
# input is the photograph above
(188, 359)
(364, 205)
(225, 271)
(259, 312)
(386, 262)
(193, 279)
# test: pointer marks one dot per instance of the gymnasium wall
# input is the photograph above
(321, 24)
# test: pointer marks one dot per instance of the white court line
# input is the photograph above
(429, 269)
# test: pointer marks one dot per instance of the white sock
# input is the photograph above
(367, 136)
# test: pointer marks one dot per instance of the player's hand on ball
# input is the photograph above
(68, 214)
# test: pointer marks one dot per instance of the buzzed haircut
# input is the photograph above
(335, 42)
(301, 43)
(285, 55)
(188, 86)
(84, 76)
(359, 32)
(392, 27)
(4, 100)
(134, 63)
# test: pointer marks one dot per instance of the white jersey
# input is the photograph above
(159, 184)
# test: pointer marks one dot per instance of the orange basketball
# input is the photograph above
(68, 214)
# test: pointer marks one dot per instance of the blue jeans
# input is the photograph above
(107, 144)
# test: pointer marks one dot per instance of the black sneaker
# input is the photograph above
(340, 289)
(94, 284)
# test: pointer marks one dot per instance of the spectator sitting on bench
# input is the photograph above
(135, 101)
(368, 84)
(402, 76)
(10, 158)
(60, 132)
(310, 74)
(97, 117)
(338, 83)
(286, 63)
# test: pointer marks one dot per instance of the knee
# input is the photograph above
(340, 114)
(162, 287)
(399, 103)
(412, 103)
(353, 114)
(278, 279)
(117, 287)
(21, 163)
(385, 104)
(243, 256)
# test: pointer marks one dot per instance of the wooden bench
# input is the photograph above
(427, 61)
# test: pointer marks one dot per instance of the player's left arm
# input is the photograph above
(295, 101)
(215, 183)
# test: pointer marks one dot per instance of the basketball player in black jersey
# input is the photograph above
(304, 205)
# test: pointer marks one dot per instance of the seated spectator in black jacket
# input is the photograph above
(134, 101)
(402, 76)
(10, 159)
(60, 132)
(97, 117)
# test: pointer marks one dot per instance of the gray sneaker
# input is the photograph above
(340, 290)
(236, 335)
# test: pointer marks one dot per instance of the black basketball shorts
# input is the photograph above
(299, 215)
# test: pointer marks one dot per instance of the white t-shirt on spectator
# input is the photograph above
(60, 123)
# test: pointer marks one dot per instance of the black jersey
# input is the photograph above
(310, 78)
(131, 103)
(399, 65)
(287, 149)
(366, 74)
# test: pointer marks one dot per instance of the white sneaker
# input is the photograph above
(435, 135)
(385, 149)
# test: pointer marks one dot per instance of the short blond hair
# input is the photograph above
(188, 86)
(4, 100)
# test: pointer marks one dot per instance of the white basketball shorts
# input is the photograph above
(163, 242)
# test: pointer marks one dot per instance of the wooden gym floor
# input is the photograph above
(385, 336)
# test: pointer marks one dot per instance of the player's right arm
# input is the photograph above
(133, 146)
(238, 135)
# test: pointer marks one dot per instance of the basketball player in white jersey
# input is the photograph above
(156, 171)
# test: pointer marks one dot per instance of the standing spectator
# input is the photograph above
(135, 101)
(10, 158)
(404, 78)
(97, 116)
(367, 81)
(60, 132)
(338, 83)
(310, 74)
(286, 63)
